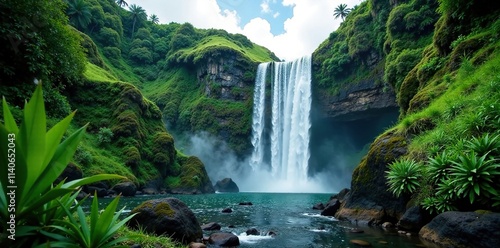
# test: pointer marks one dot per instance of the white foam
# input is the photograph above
(252, 239)
(320, 216)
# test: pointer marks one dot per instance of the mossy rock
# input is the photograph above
(408, 89)
(193, 177)
(369, 199)
(444, 35)
(167, 216)
(466, 49)
(132, 156)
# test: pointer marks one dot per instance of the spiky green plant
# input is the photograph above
(437, 205)
(474, 176)
(36, 158)
(438, 166)
(403, 176)
(99, 232)
(485, 144)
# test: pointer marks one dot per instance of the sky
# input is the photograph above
(289, 28)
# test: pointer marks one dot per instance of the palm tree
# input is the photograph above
(138, 13)
(154, 19)
(121, 3)
(341, 11)
(79, 13)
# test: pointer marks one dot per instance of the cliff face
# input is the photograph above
(223, 77)
(358, 101)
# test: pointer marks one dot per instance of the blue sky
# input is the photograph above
(271, 10)
(289, 28)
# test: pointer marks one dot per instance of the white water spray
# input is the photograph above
(288, 146)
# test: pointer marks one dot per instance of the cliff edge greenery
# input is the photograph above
(106, 61)
(441, 57)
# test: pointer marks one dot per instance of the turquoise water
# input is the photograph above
(289, 215)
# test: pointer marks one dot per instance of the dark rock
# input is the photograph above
(360, 242)
(224, 239)
(342, 194)
(226, 185)
(246, 204)
(356, 230)
(196, 245)
(318, 206)
(231, 226)
(387, 225)
(93, 190)
(413, 219)
(167, 216)
(271, 233)
(369, 201)
(253, 231)
(135, 246)
(211, 226)
(227, 210)
(150, 191)
(81, 195)
(463, 229)
(100, 185)
(357, 101)
(70, 173)
(331, 208)
(125, 188)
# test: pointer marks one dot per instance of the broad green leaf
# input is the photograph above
(91, 179)
(59, 161)
(53, 138)
(94, 215)
(39, 201)
(10, 122)
(32, 136)
(105, 219)
(476, 189)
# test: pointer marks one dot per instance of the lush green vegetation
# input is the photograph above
(35, 207)
(442, 58)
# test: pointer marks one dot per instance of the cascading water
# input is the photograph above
(258, 117)
(290, 122)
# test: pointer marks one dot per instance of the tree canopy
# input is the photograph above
(341, 11)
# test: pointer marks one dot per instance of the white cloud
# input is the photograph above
(264, 6)
(276, 14)
(311, 23)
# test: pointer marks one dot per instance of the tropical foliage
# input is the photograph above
(79, 13)
(341, 11)
(404, 176)
(36, 158)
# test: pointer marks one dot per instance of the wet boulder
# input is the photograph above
(125, 188)
(224, 239)
(168, 216)
(226, 185)
(463, 229)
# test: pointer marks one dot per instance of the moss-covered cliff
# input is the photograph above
(441, 60)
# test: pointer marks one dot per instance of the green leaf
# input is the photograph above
(10, 122)
(32, 137)
(53, 138)
(59, 161)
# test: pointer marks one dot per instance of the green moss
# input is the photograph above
(164, 209)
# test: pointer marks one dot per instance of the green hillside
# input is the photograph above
(442, 59)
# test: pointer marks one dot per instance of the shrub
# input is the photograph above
(105, 135)
(404, 176)
(109, 37)
(475, 176)
(112, 52)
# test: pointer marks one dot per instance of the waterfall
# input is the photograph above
(258, 117)
(289, 122)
